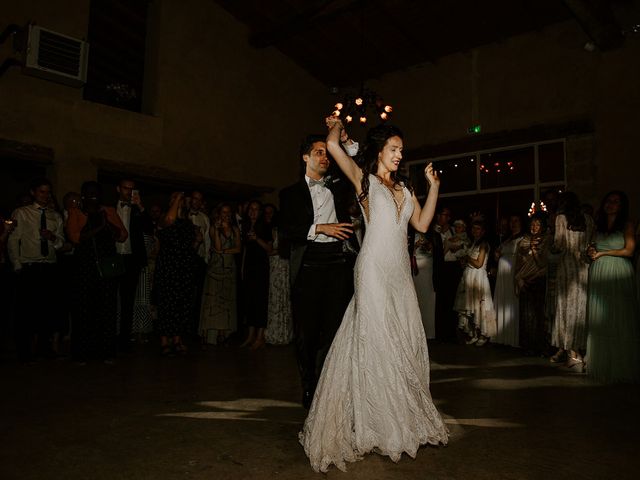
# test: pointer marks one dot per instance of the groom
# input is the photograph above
(315, 223)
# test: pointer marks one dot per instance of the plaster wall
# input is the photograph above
(220, 109)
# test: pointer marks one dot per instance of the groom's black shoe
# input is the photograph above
(307, 398)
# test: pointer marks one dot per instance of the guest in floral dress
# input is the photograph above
(279, 322)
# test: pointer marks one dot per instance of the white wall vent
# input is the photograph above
(56, 57)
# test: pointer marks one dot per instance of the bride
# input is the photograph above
(373, 394)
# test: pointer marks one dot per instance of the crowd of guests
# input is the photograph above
(561, 284)
(558, 282)
(92, 280)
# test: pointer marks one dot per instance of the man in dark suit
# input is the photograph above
(447, 271)
(315, 223)
(134, 255)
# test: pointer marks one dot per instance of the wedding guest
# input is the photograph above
(200, 219)
(176, 276)
(94, 230)
(531, 268)
(423, 280)
(218, 317)
(573, 233)
(477, 316)
(37, 234)
(133, 252)
(505, 299)
(66, 270)
(255, 275)
(448, 278)
(142, 308)
(613, 343)
(279, 324)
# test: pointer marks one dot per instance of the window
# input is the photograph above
(117, 38)
(507, 168)
(496, 182)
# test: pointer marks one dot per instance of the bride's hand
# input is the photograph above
(332, 121)
(431, 175)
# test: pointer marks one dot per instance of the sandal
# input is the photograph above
(559, 356)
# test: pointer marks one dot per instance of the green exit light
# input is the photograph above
(474, 129)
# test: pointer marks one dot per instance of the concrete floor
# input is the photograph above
(228, 413)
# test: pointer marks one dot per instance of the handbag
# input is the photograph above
(108, 267)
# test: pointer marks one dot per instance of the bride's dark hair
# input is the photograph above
(368, 158)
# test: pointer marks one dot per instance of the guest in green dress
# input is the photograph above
(613, 342)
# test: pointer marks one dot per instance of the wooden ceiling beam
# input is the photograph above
(598, 22)
(312, 16)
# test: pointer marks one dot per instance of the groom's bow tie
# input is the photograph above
(323, 182)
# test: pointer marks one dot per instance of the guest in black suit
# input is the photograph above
(315, 223)
(134, 254)
(447, 274)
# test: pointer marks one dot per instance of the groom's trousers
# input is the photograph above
(322, 291)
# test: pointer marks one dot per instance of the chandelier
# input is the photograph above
(362, 107)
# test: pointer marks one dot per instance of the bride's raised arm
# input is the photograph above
(344, 161)
(422, 216)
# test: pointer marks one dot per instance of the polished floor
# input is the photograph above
(227, 413)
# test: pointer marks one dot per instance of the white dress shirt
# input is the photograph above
(24, 242)
(124, 212)
(324, 211)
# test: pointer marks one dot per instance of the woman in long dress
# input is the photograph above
(255, 275)
(93, 229)
(505, 299)
(476, 315)
(572, 236)
(613, 342)
(175, 281)
(423, 281)
(218, 315)
(530, 279)
(279, 321)
(373, 392)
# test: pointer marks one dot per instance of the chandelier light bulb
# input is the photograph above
(388, 108)
(339, 106)
(359, 101)
(348, 118)
(363, 119)
(336, 113)
(384, 116)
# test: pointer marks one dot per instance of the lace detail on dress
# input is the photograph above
(373, 394)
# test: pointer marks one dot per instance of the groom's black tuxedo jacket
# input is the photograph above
(296, 216)
(138, 221)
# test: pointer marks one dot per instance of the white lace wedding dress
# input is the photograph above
(373, 394)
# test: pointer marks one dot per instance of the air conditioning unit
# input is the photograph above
(56, 57)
